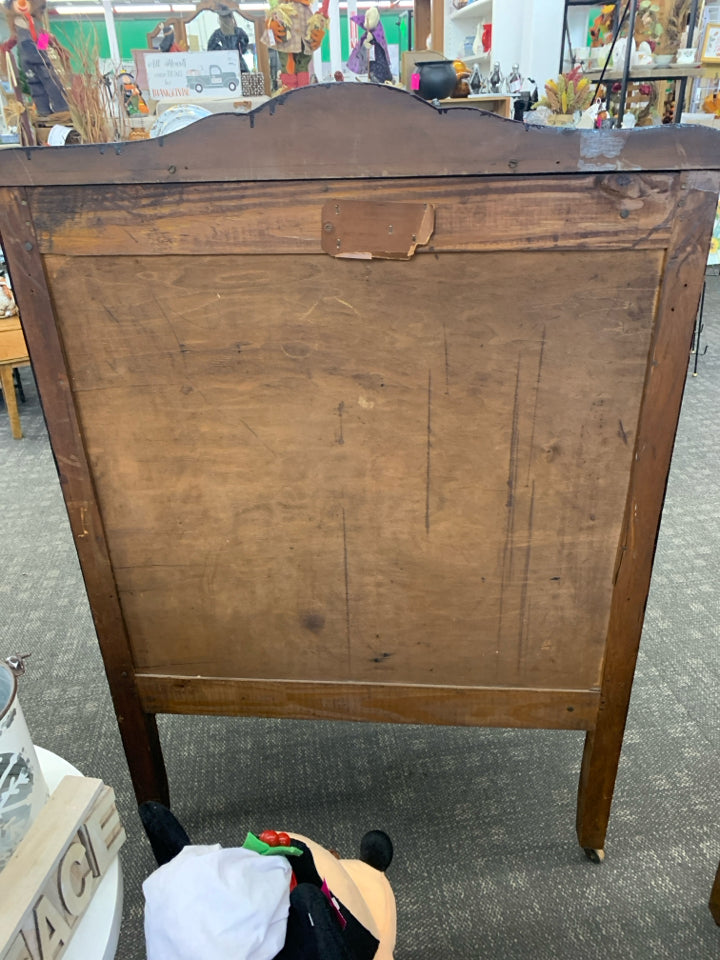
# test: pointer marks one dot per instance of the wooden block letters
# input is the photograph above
(50, 880)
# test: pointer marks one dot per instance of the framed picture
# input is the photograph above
(711, 44)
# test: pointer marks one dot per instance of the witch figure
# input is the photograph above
(370, 55)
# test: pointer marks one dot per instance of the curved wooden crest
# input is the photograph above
(345, 130)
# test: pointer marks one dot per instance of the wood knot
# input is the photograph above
(551, 449)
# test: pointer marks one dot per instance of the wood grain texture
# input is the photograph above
(677, 307)
(317, 474)
(409, 137)
(12, 343)
(46, 353)
(384, 703)
(618, 211)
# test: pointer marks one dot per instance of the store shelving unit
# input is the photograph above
(504, 15)
(465, 21)
(627, 12)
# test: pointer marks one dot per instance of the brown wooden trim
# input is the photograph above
(46, 353)
(285, 218)
(664, 384)
(261, 49)
(437, 31)
(715, 898)
(376, 702)
(417, 140)
(422, 24)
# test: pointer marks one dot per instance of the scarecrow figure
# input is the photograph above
(229, 36)
(34, 46)
(296, 33)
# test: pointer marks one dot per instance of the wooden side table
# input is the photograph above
(13, 354)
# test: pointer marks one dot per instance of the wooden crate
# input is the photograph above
(312, 473)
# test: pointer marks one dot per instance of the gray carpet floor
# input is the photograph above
(486, 863)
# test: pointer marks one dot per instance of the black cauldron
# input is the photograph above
(437, 79)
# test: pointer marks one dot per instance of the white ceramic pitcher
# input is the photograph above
(23, 790)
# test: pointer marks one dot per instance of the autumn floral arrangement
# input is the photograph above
(570, 93)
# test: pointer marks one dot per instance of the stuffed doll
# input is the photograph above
(34, 46)
(370, 55)
(167, 43)
(133, 100)
(296, 33)
(278, 897)
(229, 36)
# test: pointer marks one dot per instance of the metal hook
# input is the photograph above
(17, 663)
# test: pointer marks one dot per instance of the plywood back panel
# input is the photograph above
(328, 469)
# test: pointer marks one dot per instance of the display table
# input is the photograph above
(13, 354)
(97, 933)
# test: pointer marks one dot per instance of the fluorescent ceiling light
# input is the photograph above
(142, 8)
(77, 10)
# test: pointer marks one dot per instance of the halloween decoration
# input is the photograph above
(36, 49)
(133, 100)
(168, 44)
(462, 87)
(370, 55)
(295, 32)
(437, 79)
(282, 894)
(229, 36)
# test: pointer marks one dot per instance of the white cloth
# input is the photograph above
(214, 904)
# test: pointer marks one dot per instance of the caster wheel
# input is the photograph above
(594, 856)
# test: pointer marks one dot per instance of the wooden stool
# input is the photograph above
(13, 353)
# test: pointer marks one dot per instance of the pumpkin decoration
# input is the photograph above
(462, 87)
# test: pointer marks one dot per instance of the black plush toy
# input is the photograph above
(338, 909)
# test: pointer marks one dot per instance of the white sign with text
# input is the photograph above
(193, 75)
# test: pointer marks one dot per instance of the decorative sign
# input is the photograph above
(50, 880)
(711, 44)
(196, 76)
